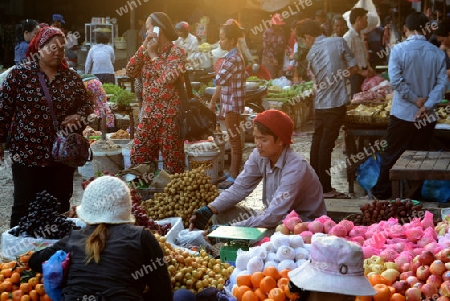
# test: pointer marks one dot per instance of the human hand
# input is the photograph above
(363, 73)
(71, 120)
(212, 105)
(371, 72)
(200, 218)
(420, 102)
(423, 112)
(151, 44)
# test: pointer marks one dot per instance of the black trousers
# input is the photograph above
(56, 179)
(401, 135)
(327, 123)
(356, 82)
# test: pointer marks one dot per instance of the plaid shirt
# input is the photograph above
(231, 77)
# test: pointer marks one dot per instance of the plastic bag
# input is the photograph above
(368, 173)
(53, 271)
(436, 191)
(281, 82)
(373, 20)
(190, 239)
(371, 82)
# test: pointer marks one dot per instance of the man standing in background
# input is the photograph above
(355, 41)
(58, 21)
(339, 26)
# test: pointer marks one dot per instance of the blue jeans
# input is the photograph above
(327, 123)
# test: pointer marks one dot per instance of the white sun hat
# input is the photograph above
(336, 266)
(106, 200)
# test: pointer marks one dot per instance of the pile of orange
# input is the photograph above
(385, 292)
(269, 285)
(19, 283)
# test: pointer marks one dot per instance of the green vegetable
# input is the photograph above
(123, 98)
(111, 88)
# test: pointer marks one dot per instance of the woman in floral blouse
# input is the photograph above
(161, 64)
(25, 111)
(99, 100)
(275, 46)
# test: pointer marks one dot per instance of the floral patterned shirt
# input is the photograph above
(25, 112)
(100, 101)
(274, 45)
(159, 77)
(231, 77)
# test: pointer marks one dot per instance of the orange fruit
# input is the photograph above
(397, 297)
(375, 279)
(261, 296)
(249, 296)
(46, 298)
(34, 296)
(32, 282)
(7, 272)
(277, 294)
(25, 287)
(25, 298)
(244, 280)
(15, 277)
(284, 273)
(267, 283)
(241, 291)
(256, 279)
(17, 295)
(40, 289)
(4, 296)
(282, 282)
(364, 298)
(272, 272)
(6, 286)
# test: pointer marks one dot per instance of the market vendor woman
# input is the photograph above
(289, 182)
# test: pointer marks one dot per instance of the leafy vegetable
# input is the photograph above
(123, 98)
(111, 88)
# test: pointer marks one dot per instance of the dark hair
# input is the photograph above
(25, 25)
(232, 31)
(265, 130)
(416, 21)
(310, 27)
(338, 18)
(443, 28)
(357, 12)
(102, 38)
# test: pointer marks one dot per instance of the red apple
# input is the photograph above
(426, 258)
(405, 275)
(446, 276)
(411, 280)
(443, 298)
(400, 286)
(429, 290)
(413, 294)
(445, 288)
(437, 267)
(435, 280)
(418, 285)
(405, 267)
(445, 255)
(423, 272)
(415, 266)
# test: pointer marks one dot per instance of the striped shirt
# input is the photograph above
(231, 77)
(329, 59)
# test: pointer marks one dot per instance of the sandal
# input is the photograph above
(333, 194)
(227, 183)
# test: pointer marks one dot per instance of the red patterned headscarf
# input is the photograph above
(42, 37)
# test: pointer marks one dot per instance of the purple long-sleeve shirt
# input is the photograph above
(291, 184)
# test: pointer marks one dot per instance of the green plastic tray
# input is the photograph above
(238, 233)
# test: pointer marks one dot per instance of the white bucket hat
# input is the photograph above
(106, 200)
(336, 266)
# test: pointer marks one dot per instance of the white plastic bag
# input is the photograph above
(373, 20)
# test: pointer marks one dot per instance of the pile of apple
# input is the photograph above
(427, 276)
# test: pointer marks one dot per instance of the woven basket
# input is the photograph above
(357, 118)
(378, 119)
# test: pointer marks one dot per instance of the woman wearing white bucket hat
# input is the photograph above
(335, 271)
(111, 259)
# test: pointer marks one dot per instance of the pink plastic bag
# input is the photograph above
(371, 82)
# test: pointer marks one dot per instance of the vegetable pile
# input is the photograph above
(185, 193)
(43, 219)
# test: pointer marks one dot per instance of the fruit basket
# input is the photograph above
(378, 118)
(359, 117)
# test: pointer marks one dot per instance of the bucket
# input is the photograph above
(86, 171)
(107, 161)
(126, 157)
(206, 160)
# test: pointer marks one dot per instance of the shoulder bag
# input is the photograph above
(195, 119)
(73, 149)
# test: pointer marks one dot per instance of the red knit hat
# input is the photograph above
(279, 123)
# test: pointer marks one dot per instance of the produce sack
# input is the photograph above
(436, 191)
(368, 173)
(373, 20)
(189, 239)
(53, 271)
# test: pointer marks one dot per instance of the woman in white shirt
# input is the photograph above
(100, 60)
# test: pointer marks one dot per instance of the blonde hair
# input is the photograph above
(96, 242)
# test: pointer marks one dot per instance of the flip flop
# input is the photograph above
(227, 183)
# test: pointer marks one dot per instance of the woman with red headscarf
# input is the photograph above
(26, 111)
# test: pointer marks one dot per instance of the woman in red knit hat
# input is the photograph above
(289, 182)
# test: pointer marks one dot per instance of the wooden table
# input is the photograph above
(360, 136)
(416, 167)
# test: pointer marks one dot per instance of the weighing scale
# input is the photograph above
(236, 238)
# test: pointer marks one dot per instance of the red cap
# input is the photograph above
(279, 123)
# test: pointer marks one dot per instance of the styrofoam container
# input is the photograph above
(177, 226)
(126, 157)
